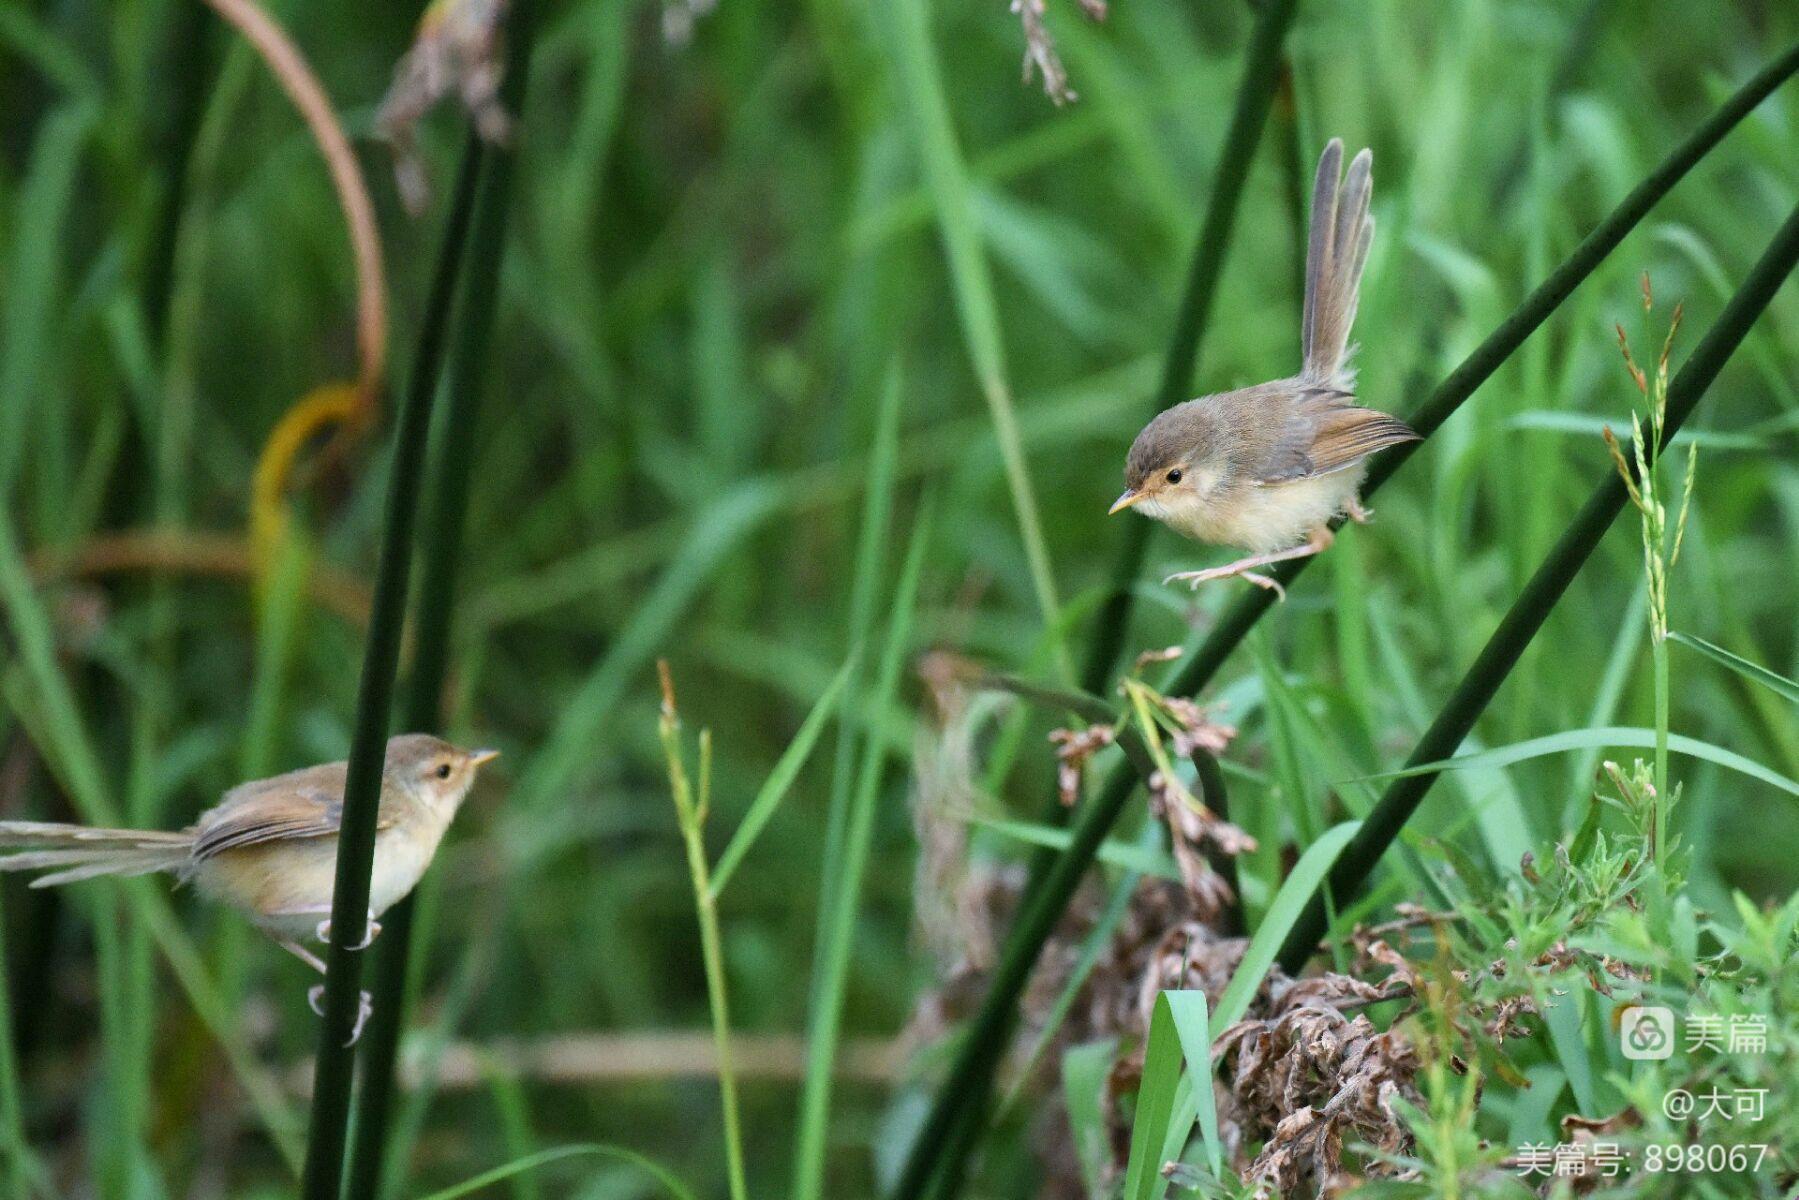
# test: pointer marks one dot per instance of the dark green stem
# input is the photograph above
(990, 1031)
(1213, 795)
(1532, 608)
(442, 552)
(194, 51)
(323, 1174)
(1085, 705)
(1255, 96)
(1054, 880)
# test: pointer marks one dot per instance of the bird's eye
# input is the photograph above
(443, 770)
(1174, 476)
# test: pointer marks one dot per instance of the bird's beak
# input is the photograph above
(1130, 497)
(477, 757)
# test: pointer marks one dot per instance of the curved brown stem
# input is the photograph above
(302, 87)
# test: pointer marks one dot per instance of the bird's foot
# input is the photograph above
(1355, 512)
(1268, 582)
(369, 932)
(1236, 570)
(365, 1005)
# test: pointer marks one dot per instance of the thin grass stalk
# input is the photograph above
(970, 1074)
(692, 806)
(1262, 70)
(442, 539)
(1532, 608)
(865, 587)
(844, 896)
(971, 278)
(324, 1169)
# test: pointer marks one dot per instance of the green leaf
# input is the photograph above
(1084, 1071)
(1635, 737)
(1289, 902)
(1754, 672)
(1179, 1047)
(774, 788)
(831, 976)
(908, 37)
(1195, 1102)
(1145, 860)
(531, 1162)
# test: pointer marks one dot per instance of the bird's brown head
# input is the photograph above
(1176, 462)
(434, 769)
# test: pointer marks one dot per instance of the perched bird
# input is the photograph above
(269, 848)
(1266, 468)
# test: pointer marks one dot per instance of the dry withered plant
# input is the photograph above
(1372, 1071)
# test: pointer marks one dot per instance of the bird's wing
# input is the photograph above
(1319, 440)
(301, 804)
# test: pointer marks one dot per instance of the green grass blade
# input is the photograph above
(909, 33)
(1779, 684)
(832, 972)
(54, 722)
(1084, 1071)
(865, 585)
(28, 297)
(1289, 904)
(1093, 946)
(1638, 738)
(774, 789)
(468, 1187)
(1146, 860)
(20, 1164)
(719, 529)
(1193, 1099)
(1179, 1051)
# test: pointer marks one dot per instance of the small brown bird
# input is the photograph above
(269, 848)
(1267, 468)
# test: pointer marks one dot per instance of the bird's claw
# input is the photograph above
(1194, 578)
(365, 1005)
(1355, 512)
(369, 932)
(1266, 581)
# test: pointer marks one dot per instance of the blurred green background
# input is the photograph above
(721, 254)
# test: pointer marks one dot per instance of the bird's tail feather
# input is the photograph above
(1337, 250)
(84, 853)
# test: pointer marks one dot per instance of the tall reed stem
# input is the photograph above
(324, 1171)
(442, 539)
(1532, 608)
(1262, 72)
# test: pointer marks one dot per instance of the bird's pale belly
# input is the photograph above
(286, 886)
(1263, 518)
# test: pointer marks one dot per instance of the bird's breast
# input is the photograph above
(1262, 518)
(285, 886)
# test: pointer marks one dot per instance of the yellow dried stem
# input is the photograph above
(332, 404)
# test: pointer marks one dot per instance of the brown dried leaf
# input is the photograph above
(457, 50)
(1073, 748)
